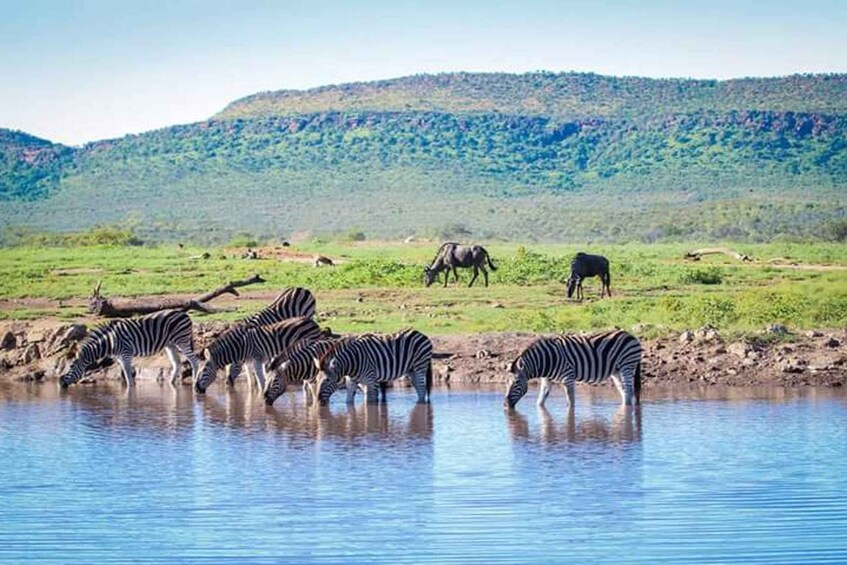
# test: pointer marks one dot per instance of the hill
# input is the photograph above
(478, 163)
(564, 96)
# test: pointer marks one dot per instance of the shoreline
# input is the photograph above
(39, 351)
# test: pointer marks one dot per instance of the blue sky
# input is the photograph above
(80, 71)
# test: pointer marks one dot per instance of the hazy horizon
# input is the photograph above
(79, 72)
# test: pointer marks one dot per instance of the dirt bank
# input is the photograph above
(41, 351)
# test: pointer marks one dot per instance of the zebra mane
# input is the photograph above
(295, 349)
(99, 332)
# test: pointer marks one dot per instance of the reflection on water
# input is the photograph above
(99, 474)
(623, 426)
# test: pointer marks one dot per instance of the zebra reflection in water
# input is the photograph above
(624, 427)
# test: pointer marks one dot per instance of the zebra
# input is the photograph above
(585, 266)
(257, 344)
(373, 359)
(296, 364)
(139, 337)
(570, 358)
(451, 255)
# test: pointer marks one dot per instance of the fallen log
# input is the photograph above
(696, 253)
(126, 308)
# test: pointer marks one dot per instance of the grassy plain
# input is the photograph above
(377, 286)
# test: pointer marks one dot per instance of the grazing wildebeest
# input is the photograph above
(452, 255)
(584, 266)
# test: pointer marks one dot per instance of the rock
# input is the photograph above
(31, 353)
(739, 349)
(483, 354)
(641, 328)
(789, 367)
(686, 337)
(720, 350)
(732, 371)
(832, 342)
(813, 334)
(9, 341)
(73, 333)
(497, 305)
(777, 329)
(707, 333)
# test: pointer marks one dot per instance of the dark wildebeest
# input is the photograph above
(584, 266)
(451, 255)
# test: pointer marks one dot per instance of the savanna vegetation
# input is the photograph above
(377, 286)
(534, 157)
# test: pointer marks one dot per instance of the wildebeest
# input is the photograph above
(584, 266)
(452, 255)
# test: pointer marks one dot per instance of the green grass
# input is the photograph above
(378, 286)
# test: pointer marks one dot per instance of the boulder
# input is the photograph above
(9, 341)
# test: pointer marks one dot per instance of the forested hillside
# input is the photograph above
(672, 159)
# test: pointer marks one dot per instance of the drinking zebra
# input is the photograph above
(140, 337)
(570, 358)
(586, 266)
(296, 365)
(451, 255)
(372, 359)
(258, 345)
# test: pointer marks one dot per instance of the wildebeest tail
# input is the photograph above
(490, 264)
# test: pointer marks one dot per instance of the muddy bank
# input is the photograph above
(41, 351)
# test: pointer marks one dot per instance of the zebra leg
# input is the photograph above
(620, 387)
(177, 366)
(569, 391)
(418, 379)
(371, 393)
(192, 360)
(232, 373)
(308, 393)
(125, 362)
(627, 394)
(351, 390)
(259, 370)
(543, 391)
(475, 275)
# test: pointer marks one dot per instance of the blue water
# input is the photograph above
(697, 476)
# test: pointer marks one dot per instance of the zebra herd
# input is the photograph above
(284, 345)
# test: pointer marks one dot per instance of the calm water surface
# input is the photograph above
(96, 475)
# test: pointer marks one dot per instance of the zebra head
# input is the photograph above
(518, 384)
(327, 380)
(206, 376)
(276, 383)
(74, 373)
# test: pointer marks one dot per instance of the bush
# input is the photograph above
(709, 275)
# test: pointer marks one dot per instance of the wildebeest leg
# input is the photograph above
(455, 274)
(484, 275)
(446, 276)
(475, 275)
(608, 282)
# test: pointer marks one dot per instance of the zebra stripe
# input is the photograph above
(372, 359)
(140, 337)
(295, 365)
(569, 359)
(257, 344)
(291, 303)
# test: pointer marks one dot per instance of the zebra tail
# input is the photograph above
(490, 264)
(428, 380)
(637, 383)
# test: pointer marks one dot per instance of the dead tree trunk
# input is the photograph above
(108, 308)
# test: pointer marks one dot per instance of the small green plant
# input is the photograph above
(707, 275)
